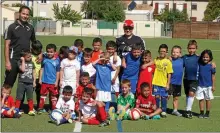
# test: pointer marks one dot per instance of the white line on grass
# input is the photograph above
(78, 127)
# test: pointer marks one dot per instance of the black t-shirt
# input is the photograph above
(27, 75)
(20, 36)
(124, 44)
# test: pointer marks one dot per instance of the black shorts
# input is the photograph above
(190, 86)
(174, 90)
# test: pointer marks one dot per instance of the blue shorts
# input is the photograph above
(158, 90)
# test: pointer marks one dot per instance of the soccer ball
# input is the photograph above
(55, 115)
(135, 114)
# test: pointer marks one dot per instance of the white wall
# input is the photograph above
(139, 29)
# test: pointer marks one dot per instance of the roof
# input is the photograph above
(138, 6)
(11, 9)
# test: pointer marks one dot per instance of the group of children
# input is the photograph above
(80, 81)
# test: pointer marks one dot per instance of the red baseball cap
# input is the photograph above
(129, 23)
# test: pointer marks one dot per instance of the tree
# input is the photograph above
(172, 16)
(66, 13)
(212, 10)
(104, 9)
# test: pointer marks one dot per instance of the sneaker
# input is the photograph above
(156, 117)
(31, 113)
(176, 113)
(111, 113)
(201, 116)
(206, 116)
(70, 121)
(40, 111)
(163, 114)
(21, 112)
(17, 115)
(104, 123)
(121, 114)
(188, 114)
(146, 117)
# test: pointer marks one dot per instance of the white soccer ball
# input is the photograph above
(135, 114)
(55, 115)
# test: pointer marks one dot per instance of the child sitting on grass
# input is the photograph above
(146, 103)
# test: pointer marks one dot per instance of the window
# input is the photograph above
(194, 6)
(161, 7)
(179, 7)
(43, 1)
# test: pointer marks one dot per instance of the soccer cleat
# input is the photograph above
(188, 114)
(31, 113)
(176, 113)
(163, 114)
(58, 122)
(121, 114)
(70, 121)
(104, 123)
(40, 111)
(146, 117)
(17, 115)
(21, 112)
(201, 116)
(206, 116)
(111, 113)
(156, 117)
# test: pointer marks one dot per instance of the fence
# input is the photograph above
(43, 26)
(94, 28)
(197, 30)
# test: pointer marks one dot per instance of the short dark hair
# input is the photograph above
(78, 43)
(84, 74)
(51, 46)
(136, 47)
(24, 7)
(97, 39)
(67, 89)
(144, 85)
(25, 52)
(37, 46)
(207, 51)
(192, 42)
(88, 90)
(163, 46)
(146, 53)
(64, 50)
(176, 47)
(6, 86)
(111, 44)
(87, 52)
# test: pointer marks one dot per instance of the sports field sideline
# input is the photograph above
(39, 123)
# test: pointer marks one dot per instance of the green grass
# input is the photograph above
(170, 124)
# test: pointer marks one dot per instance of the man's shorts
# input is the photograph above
(174, 90)
(159, 90)
(190, 86)
(48, 88)
(204, 93)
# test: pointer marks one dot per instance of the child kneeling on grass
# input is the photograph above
(90, 111)
(66, 105)
(8, 109)
(146, 103)
(125, 101)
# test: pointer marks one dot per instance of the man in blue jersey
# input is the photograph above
(176, 78)
(49, 77)
(131, 65)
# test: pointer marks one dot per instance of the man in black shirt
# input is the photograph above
(17, 39)
(126, 41)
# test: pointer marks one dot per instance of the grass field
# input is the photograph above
(40, 123)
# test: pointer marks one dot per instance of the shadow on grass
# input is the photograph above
(169, 111)
(25, 108)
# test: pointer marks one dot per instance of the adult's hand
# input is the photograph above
(8, 66)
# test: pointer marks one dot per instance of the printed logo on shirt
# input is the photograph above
(149, 69)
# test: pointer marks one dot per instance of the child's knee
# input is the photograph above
(85, 121)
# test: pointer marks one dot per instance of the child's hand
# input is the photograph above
(167, 87)
(9, 112)
(34, 84)
(56, 84)
(94, 103)
(213, 65)
(213, 88)
(22, 58)
(123, 65)
(113, 81)
(4, 95)
(77, 84)
(40, 81)
(60, 84)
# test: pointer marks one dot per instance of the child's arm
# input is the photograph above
(77, 77)
(113, 66)
(123, 63)
(40, 75)
(116, 74)
(115, 58)
(34, 78)
(213, 82)
(61, 76)
(3, 101)
(168, 81)
(22, 66)
(57, 78)
(148, 64)
(95, 62)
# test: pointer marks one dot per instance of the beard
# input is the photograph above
(23, 22)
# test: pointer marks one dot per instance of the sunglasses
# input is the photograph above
(128, 28)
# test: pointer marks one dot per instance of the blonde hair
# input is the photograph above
(126, 81)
